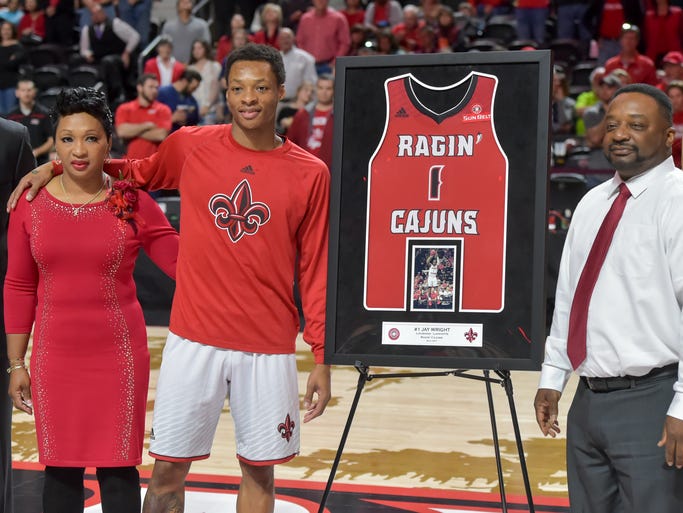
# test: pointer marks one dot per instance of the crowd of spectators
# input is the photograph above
(596, 44)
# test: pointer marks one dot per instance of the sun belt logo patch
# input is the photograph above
(238, 214)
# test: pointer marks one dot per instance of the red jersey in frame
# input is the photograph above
(438, 174)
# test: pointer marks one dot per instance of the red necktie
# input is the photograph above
(578, 317)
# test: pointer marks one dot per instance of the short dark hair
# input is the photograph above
(165, 40)
(663, 101)
(256, 52)
(145, 77)
(190, 74)
(83, 99)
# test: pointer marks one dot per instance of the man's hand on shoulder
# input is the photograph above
(545, 404)
(319, 383)
(672, 440)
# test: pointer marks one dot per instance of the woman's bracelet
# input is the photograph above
(16, 366)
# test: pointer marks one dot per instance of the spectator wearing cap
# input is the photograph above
(588, 99)
(593, 118)
(675, 93)
(164, 66)
(383, 13)
(606, 18)
(640, 67)
(662, 29)
(672, 67)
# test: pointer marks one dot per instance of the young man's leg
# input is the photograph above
(257, 489)
(166, 490)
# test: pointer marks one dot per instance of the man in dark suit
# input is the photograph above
(16, 159)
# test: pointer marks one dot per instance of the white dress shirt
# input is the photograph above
(299, 67)
(635, 315)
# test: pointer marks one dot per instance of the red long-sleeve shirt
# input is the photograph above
(245, 215)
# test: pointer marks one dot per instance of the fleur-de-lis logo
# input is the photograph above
(286, 428)
(237, 214)
(471, 335)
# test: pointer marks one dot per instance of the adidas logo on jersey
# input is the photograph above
(248, 169)
(401, 113)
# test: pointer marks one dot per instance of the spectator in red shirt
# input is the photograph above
(144, 122)
(225, 46)
(407, 32)
(662, 29)
(271, 21)
(675, 92)
(324, 33)
(312, 127)
(605, 19)
(354, 12)
(164, 66)
(32, 24)
(640, 68)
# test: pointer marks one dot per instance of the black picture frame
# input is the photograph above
(419, 334)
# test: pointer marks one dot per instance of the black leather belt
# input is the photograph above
(624, 382)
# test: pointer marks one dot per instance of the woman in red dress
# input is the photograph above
(71, 257)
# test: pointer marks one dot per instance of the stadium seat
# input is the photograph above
(49, 76)
(85, 76)
(45, 54)
(49, 98)
(503, 33)
(565, 50)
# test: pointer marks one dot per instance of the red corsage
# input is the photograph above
(122, 198)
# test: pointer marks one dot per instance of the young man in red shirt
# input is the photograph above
(640, 67)
(144, 122)
(246, 193)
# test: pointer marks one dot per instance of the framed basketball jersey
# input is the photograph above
(438, 210)
(437, 175)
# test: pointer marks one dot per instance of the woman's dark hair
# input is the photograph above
(84, 99)
(255, 52)
(208, 52)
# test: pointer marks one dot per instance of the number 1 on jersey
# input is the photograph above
(435, 183)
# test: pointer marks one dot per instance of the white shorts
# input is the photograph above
(194, 381)
(432, 282)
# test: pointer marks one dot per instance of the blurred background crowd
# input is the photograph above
(147, 53)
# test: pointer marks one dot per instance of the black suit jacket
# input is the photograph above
(16, 159)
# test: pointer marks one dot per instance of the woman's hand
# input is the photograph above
(20, 390)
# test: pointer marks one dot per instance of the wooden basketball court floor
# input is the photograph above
(415, 444)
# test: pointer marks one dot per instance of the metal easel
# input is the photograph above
(503, 379)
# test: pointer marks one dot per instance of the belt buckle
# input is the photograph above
(592, 384)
